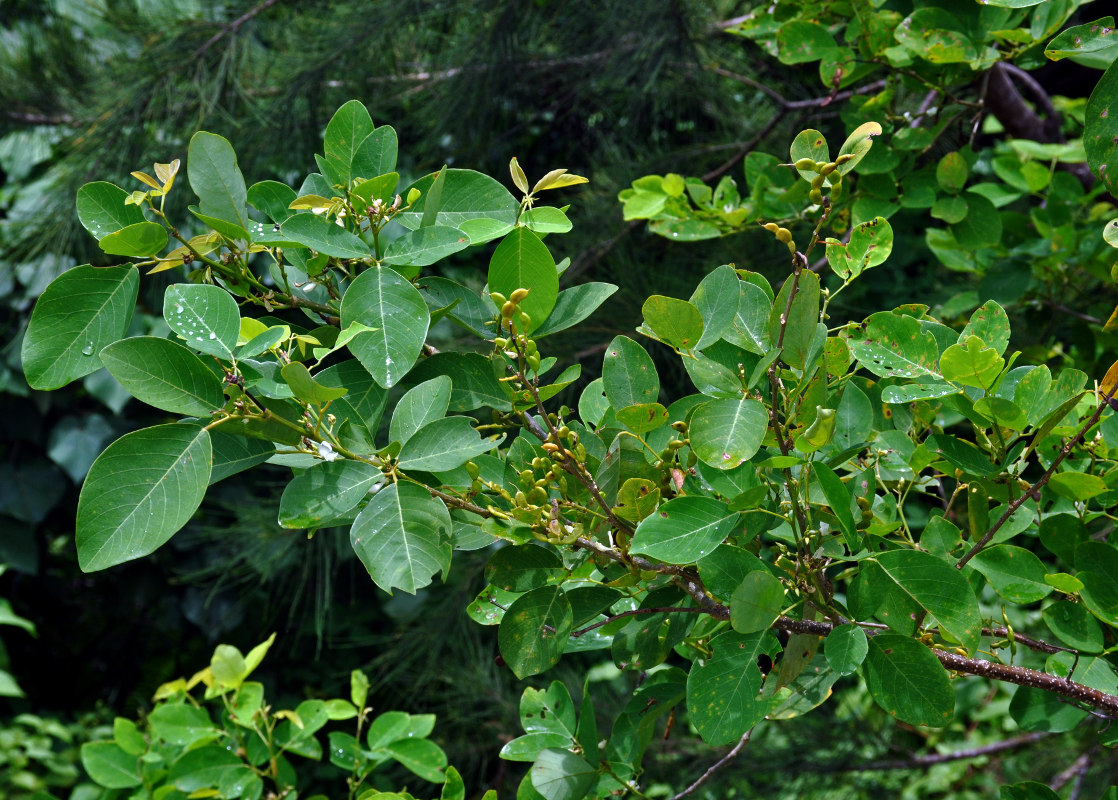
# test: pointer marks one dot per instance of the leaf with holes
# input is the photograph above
(403, 537)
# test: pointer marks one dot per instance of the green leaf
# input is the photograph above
(931, 33)
(522, 261)
(80, 312)
(444, 444)
(347, 129)
(403, 537)
(809, 144)
(534, 631)
(1074, 626)
(521, 569)
(684, 530)
(726, 433)
(139, 240)
(273, 198)
(182, 724)
(423, 403)
(722, 694)
(233, 454)
(383, 299)
(205, 316)
(893, 345)
(306, 388)
(1015, 573)
(139, 492)
(128, 736)
(325, 492)
(1100, 130)
(906, 679)
(102, 211)
(757, 601)
(674, 321)
(205, 768)
(423, 247)
(870, 244)
(939, 588)
(110, 766)
(718, 298)
(799, 42)
(858, 144)
(454, 788)
(951, 172)
(972, 363)
(846, 648)
(1077, 485)
(466, 195)
(164, 374)
(838, 498)
(318, 233)
(562, 775)
(1028, 790)
(990, 324)
(211, 168)
(961, 454)
(574, 305)
(376, 154)
(982, 226)
(749, 329)
(475, 384)
(423, 757)
(628, 374)
(801, 323)
(641, 419)
(1092, 44)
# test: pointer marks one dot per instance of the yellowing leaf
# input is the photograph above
(1109, 383)
(143, 177)
(166, 173)
(557, 179)
(518, 176)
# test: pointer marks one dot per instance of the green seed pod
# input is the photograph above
(816, 183)
(771, 227)
(816, 197)
(805, 163)
(508, 309)
(784, 235)
(473, 470)
(524, 320)
(537, 496)
(845, 157)
(518, 295)
(828, 169)
(498, 298)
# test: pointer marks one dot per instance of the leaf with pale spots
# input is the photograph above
(722, 694)
(383, 299)
(725, 433)
(205, 316)
(906, 680)
(628, 374)
(533, 633)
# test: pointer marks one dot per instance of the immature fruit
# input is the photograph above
(784, 235)
(805, 163)
(828, 169)
(816, 196)
(518, 295)
(844, 158)
(771, 227)
(508, 309)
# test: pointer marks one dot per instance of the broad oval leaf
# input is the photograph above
(846, 648)
(164, 374)
(444, 444)
(211, 168)
(205, 316)
(522, 261)
(628, 374)
(521, 569)
(403, 537)
(383, 299)
(756, 602)
(138, 240)
(534, 630)
(939, 588)
(80, 312)
(139, 492)
(722, 694)
(684, 530)
(725, 433)
(1015, 573)
(425, 246)
(325, 492)
(717, 297)
(102, 211)
(466, 195)
(423, 403)
(1100, 129)
(345, 132)
(562, 775)
(322, 235)
(376, 154)
(110, 766)
(674, 321)
(907, 680)
(574, 305)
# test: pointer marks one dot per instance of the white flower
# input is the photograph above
(326, 452)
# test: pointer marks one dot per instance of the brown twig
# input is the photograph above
(931, 759)
(719, 764)
(1065, 451)
(636, 612)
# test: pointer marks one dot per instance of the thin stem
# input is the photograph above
(931, 759)
(716, 766)
(1033, 490)
(636, 612)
